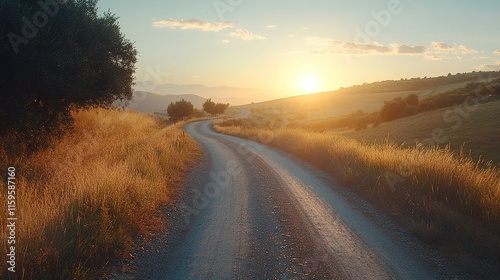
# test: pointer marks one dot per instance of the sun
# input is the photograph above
(309, 85)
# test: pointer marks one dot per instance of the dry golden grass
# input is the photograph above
(81, 202)
(450, 196)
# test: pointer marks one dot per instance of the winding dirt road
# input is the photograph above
(250, 212)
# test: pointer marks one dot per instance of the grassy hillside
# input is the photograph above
(81, 202)
(479, 129)
(366, 97)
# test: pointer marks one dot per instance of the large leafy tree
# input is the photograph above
(55, 56)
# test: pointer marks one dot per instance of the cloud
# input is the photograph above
(353, 48)
(440, 47)
(193, 24)
(405, 49)
(272, 26)
(326, 46)
(436, 50)
(489, 67)
(245, 35)
(464, 50)
(210, 27)
(435, 57)
(497, 52)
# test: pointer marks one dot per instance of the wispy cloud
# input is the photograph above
(324, 46)
(489, 67)
(441, 46)
(271, 26)
(193, 24)
(198, 24)
(436, 50)
(405, 49)
(453, 49)
(497, 52)
(245, 35)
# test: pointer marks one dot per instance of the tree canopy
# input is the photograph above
(214, 108)
(180, 110)
(399, 108)
(58, 55)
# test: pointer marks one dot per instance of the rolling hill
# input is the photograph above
(478, 131)
(366, 97)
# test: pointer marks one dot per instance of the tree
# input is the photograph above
(180, 110)
(412, 100)
(198, 113)
(220, 108)
(209, 106)
(56, 56)
(399, 108)
(213, 108)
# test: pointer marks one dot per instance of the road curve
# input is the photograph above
(250, 212)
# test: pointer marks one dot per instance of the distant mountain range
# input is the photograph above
(223, 94)
(149, 102)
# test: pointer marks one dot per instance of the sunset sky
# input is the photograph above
(305, 46)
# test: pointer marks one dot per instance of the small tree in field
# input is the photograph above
(209, 106)
(220, 108)
(180, 110)
(213, 108)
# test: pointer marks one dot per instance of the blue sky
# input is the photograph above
(303, 46)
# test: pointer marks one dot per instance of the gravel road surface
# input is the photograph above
(248, 211)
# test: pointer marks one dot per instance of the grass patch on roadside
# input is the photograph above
(441, 195)
(81, 202)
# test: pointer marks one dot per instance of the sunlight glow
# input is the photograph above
(309, 85)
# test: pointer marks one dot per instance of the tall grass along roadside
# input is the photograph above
(81, 202)
(441, 195)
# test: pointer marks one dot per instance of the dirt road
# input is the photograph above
(250, 212)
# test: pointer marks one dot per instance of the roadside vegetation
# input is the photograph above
(82, 201)
(88, 180)
(443, 196)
